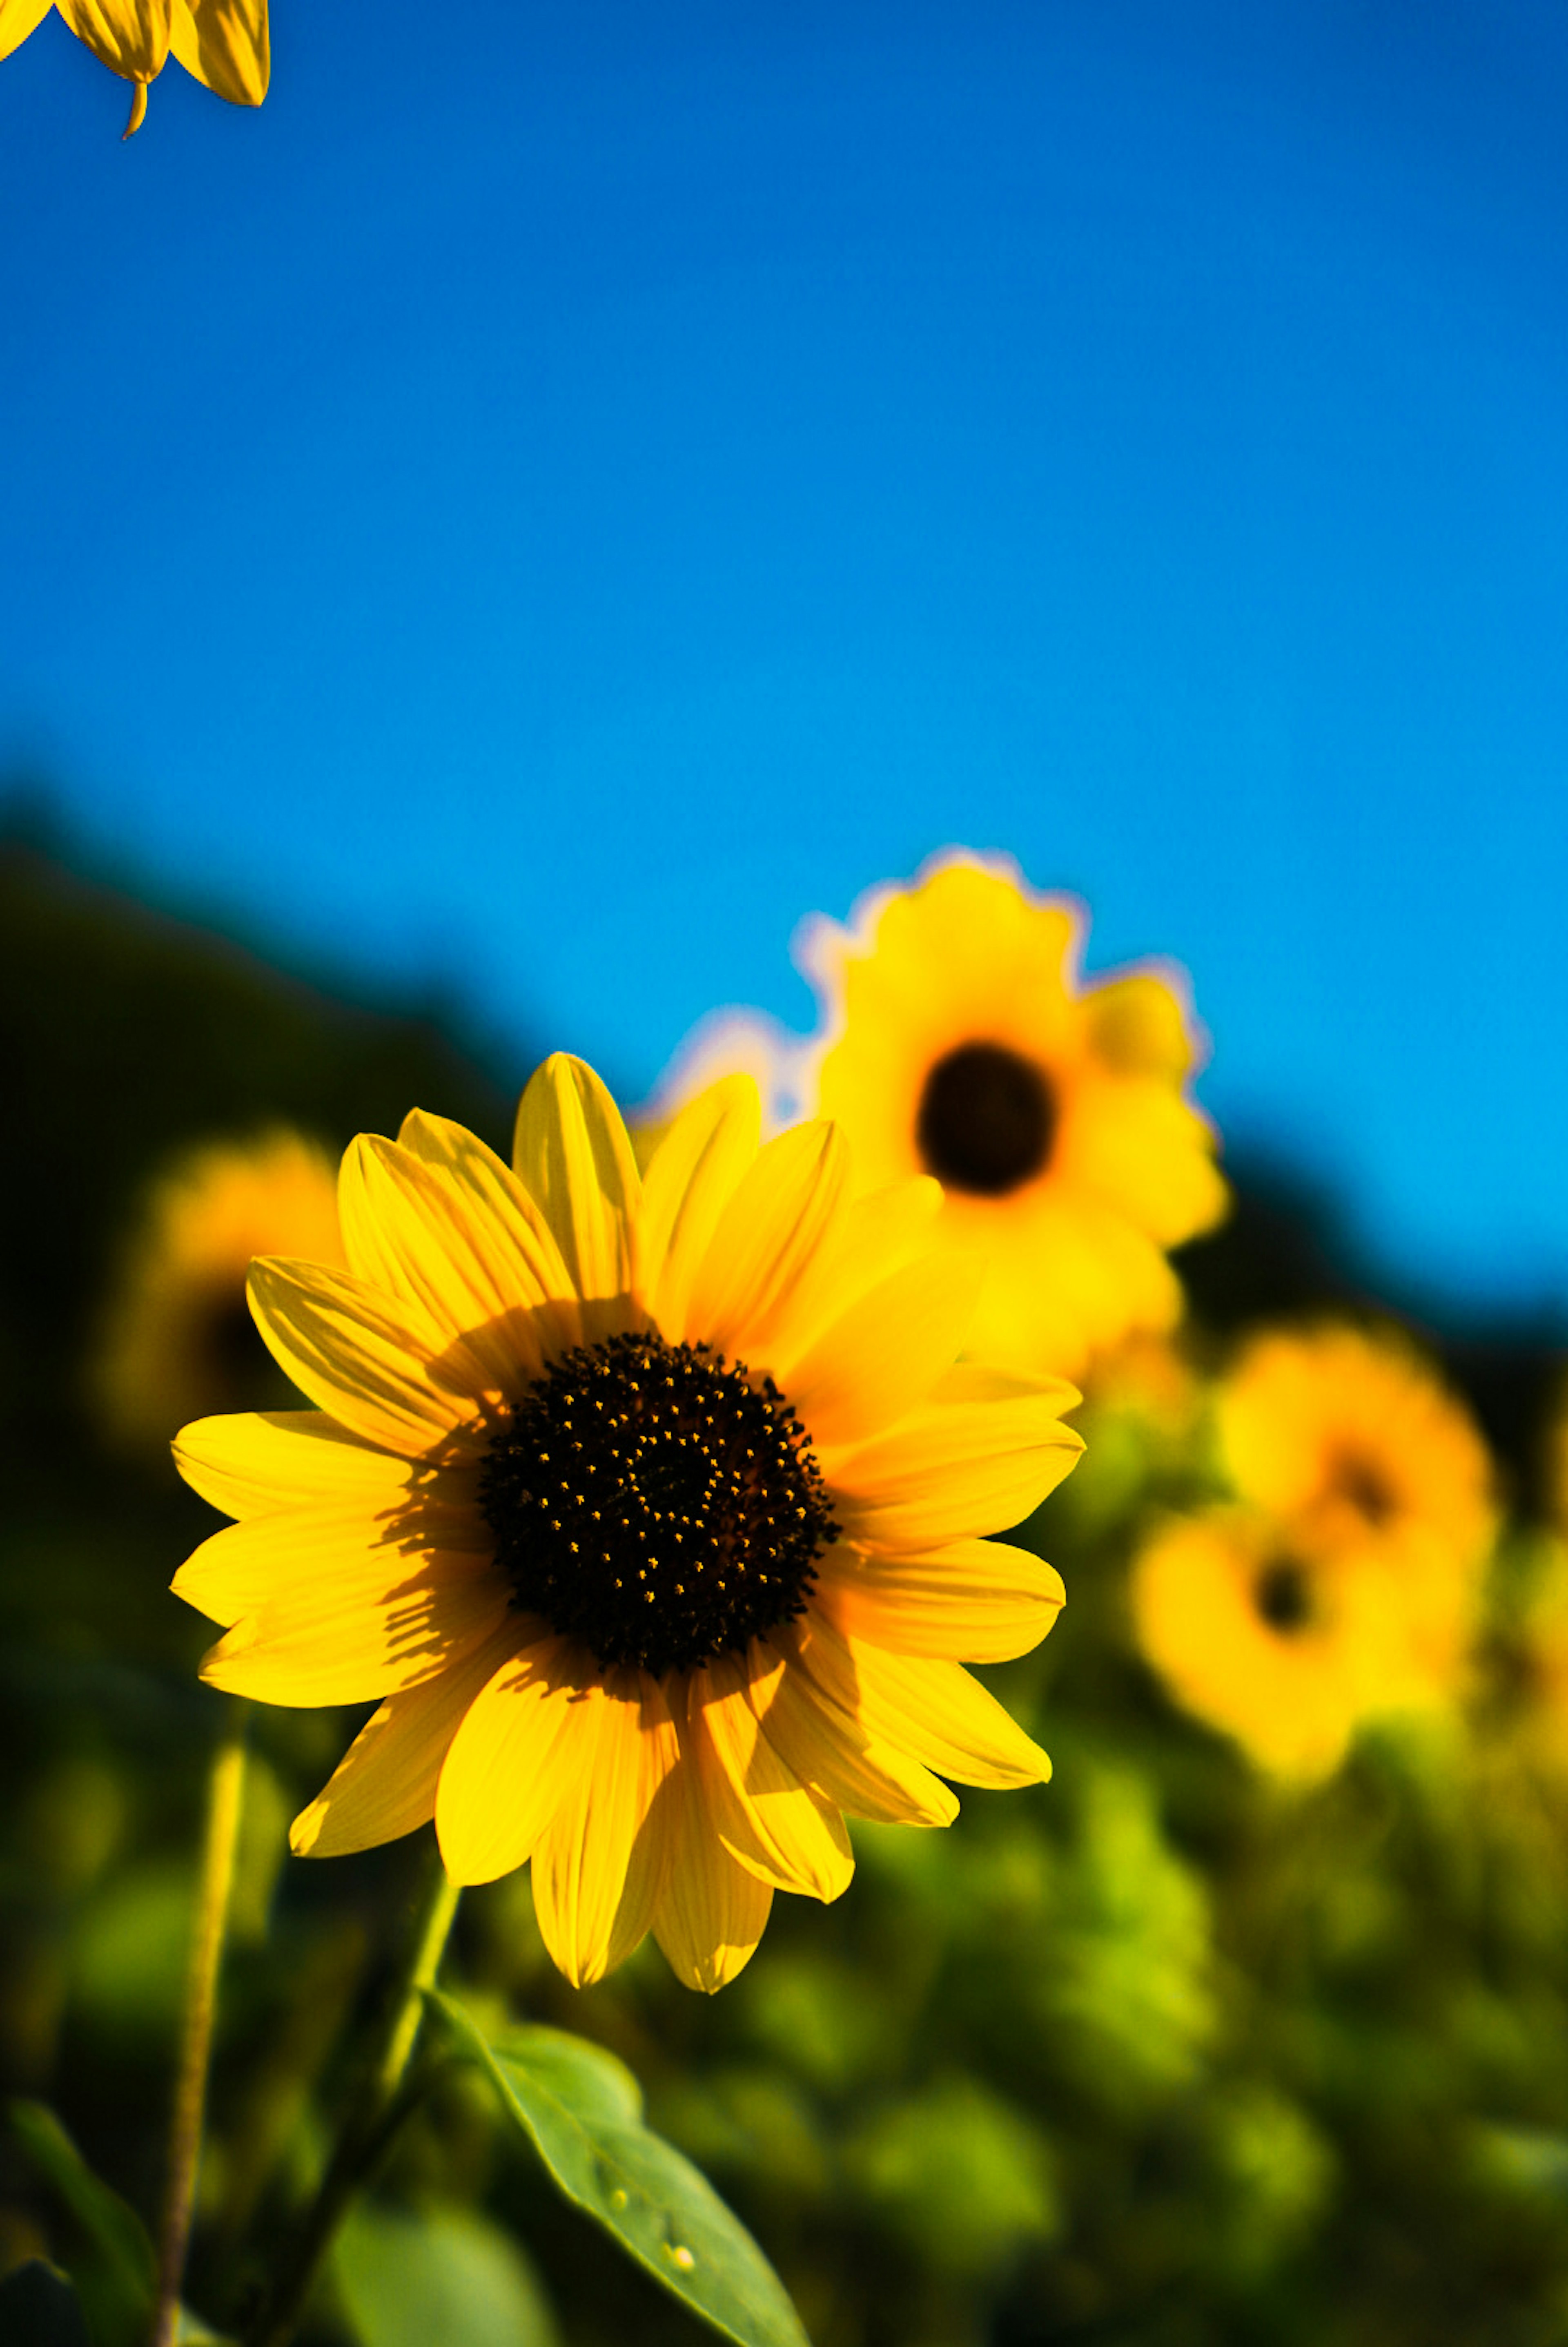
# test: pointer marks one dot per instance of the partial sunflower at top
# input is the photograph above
(958, 1041)
(224, 43)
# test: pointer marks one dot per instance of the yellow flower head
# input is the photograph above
(1351, 1434)
(175, 1334)
(1347, 1585)
(224, 43)
(959, 1042)
(649, 1508)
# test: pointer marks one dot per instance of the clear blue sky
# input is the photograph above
(548, 509)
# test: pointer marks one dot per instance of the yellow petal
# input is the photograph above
(712, 1913)
(357, 1630)
(506, 1229)
(951, 1471)
(769, 1231)
(869, 1239)
(691, 1178)
(599, 1865)
(510, 1764)
(224, 43)
(829, 1747)
(883, 1356)
(786, 1832)
(130, 36)
(241, 1568)
(255, 1463)
(406, 1229)
(933, 1710)
(572, 1156)
(385, 1783)
(18, 18)
(977, 1600)
(380, 1367)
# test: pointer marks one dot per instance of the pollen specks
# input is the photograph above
(709, 1515)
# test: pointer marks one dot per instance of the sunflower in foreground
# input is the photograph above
(224, 43)
(1346, 1585)
(959, 1042)
(176, 1335)
(649, 1508)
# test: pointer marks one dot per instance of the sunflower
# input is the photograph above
(175, 1334)
(224, 43)
(649, 1507)
(957, 1041)
(1346, 1583)
(1350, 1433)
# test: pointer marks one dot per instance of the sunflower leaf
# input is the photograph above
(582, 2111)
(116, 2272)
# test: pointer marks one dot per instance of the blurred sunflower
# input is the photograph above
(1352, 1433)
(959, 1042)
(1347, 1585)
(176, 1333)
(648, 1506)
(224, 43)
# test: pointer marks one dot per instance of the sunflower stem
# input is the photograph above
(225, 1804)
(374, 2118)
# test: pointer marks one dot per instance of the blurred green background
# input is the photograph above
(1163, 2054)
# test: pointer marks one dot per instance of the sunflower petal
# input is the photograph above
(357, 1630)
(784, 1830)
(258, 1463)
(829, 1747)
(506, 1228)
(241, 1568)
(883, 1357)
(929, 1708)
(712, 1913)
(974, 1601)
(869, 1239)
(18, 20)
(512, 1761)
(130, 36)
(224, 43)
(769, 1231)
(599, 1865)
(384, 1785)
(381, 1368)
(405, 1229)
(572, 1153)
(691, 1178)
(955, 1469)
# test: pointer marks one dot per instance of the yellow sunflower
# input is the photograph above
(175, 1334)
(1350, 1433)
(648, 1507)
(959, 1042)
(224, 43)
(1347, 1585)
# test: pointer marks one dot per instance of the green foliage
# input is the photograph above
(450, 2275)
(582, 2111)
(113, 2268)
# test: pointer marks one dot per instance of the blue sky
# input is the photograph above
(545, 512)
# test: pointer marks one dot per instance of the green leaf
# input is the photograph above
(116, 2272)
(38, 2308)
(449, 2276)
(582, 2111)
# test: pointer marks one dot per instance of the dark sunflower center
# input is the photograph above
(1365, 1486)
(987, 1119)
(650, 1499)
(1282, 1594)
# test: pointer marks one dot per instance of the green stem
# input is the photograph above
(225, 1801)
(377, 2113)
